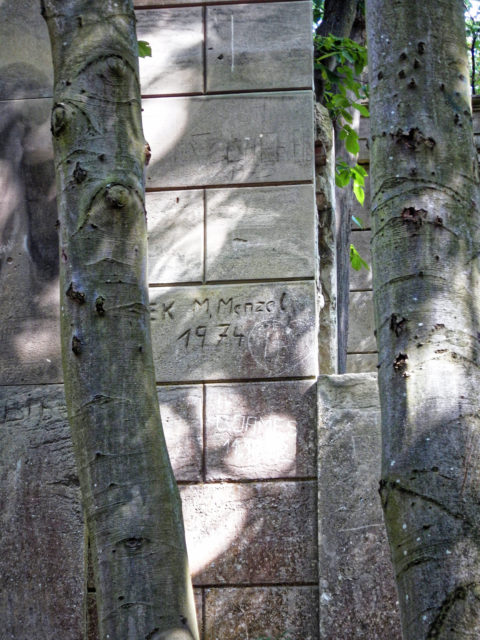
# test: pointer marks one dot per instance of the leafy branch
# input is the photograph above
(340, 62)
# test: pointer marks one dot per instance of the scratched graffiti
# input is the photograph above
(234, 331)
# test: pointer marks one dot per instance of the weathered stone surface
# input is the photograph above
(251, 533)
(233, 331)
(25, 60)
(361, 362)
(357, 592)
(250, 234)
(327, 249)
(259, 46)
(41, 527)
(262, 612)
(362, 279)
(361, 325)
(181, 409)
(213, 140)
(29, 342)
(175, 236)
(176, 38)
(261, 430)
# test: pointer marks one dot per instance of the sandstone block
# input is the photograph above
(361, 336)
(29, 310)
(259, 46)
(176, 37)
(250, 234)
(251, 533)
(260, 430)
(175, 236)
(361, 362)
(357, 592)
(214, 140)
(181, 410)
(233, 331)
(41, 526)
(261, 612)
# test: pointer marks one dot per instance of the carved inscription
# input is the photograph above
(231, 139)
(234, 331)
(247, 432)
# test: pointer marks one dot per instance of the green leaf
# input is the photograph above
(144, 49)
(362, 108)
(356, 260)
(351, 143)
(342, 179)
(359, 192)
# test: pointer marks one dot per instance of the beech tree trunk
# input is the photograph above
(425, 199)
(130, 498)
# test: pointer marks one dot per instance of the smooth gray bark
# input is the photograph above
(130, 498)
(425, 199)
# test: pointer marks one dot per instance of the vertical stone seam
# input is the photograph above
(204, 48)
(204, 433)
(204, 252)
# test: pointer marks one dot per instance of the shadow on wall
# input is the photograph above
(248, 472)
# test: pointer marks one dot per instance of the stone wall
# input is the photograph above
(232, 245)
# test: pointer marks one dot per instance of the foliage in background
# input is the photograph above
(343, 91)
(144, 49)
(472, 25)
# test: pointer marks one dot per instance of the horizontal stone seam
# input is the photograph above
(248, 585)
(229, 185)
(245, 481)
(226, 92)
(173, 383)
(197, 283)
(179, 383)
(361, 353)
(197, 4)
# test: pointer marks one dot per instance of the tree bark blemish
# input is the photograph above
(99, 305)
(400, 362)
(73, 294)
(421, 48)
(413, 138)
(397, 324)
(148, 154)
(76, 345)
(414, 216)
(117, 195)
(412, 84)
(58, 119)
(401, 73)
(117, 66)
(403, 56)
(416, 63)
(79, 173)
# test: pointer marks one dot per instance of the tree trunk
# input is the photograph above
(425, 262)
(131, 502)
(339, 20)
